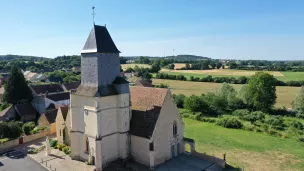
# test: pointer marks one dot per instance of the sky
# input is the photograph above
(222, 29)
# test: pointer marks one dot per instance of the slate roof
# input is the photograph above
(64, 111)
(71, 86)
(49, 88)
(51, 115)
(59, 96)
(146, 106)
(26, 109)
(139, 81)
(3, 112)
(99, 41)
(55, 79)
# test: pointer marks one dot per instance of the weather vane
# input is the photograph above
(93, 8)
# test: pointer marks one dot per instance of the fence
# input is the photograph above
(24, 139)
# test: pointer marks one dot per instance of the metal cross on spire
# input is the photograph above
(93, 14)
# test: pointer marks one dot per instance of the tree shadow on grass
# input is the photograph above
(231, 168)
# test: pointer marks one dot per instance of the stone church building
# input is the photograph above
(110, 120)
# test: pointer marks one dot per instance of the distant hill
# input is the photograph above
(178, 57)
(27, 58)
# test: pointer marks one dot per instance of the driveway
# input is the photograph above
(15, 160)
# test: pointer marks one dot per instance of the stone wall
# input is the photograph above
(28, 138)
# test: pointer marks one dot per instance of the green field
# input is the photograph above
(293, 76)
(244, 149)
(285, 94)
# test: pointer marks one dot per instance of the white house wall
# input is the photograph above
(163, 132)
(140, 150)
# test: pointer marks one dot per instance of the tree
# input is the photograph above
(262, 91)
(218, 65)
(212, 64)
(16, 88)
(298, 103)
(154, 68)
(195, 104)
(179, 100)
(187, 66)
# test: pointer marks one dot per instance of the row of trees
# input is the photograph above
(259, 94)
(267, 65)
(231, 80)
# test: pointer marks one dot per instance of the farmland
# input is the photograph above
(244, 149)
(283, 76)
(285, 94)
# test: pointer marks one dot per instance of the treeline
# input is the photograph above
(231, 80)
(293, 66)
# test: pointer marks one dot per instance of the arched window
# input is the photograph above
(86, 147)
(174, 128)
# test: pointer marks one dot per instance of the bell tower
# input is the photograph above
(100, 64)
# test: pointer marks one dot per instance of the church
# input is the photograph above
(110, 120)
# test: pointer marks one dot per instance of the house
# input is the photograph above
(76, 69)
(39, 95)
(26, 112)
(70, 86)
(62, 98)
(49, 119)
(7, 114)
(41, 77)
(31, 76)
(156, 127)
(111, 121)
(63, 125)
(139, 81)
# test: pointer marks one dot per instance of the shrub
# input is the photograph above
(39, 129)
(254, 116)
(15, 130)
(241, 112)
(210, 120)
(272, 132)
(3, 140)
(248, 126)
(300, 115)
(298, 125)
(53, 143)
(28, 127)
(229, 122)
(301, 139)
(276, 122)
(60, 146)
(67, 150)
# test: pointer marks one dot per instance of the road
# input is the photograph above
(13, 160)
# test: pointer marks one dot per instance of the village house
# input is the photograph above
(49, 119)
(7, 114)
(26, 112)
(63, 125)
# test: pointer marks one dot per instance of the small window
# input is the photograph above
(151, 146)
(174, 128)
(87, 147)
(60, 132)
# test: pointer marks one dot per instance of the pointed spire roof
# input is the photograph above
(99, 41)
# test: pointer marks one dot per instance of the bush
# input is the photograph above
(60, 146)
(28, 127)
(300, 115)
(276, 122)
(298, 125)
(273, 132)
(254, 116)
(67, 150)
(301, 139)
(241, 112)
(53, 143)
(4, 140)
(210, 120)
(229, 122)
(15, 130)
(39, 129)
(248, 126)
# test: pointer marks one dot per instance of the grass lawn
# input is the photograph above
(293, 76)
(285, 94)
(125, 66)
(245, 149)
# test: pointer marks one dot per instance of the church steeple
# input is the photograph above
(99, 41)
